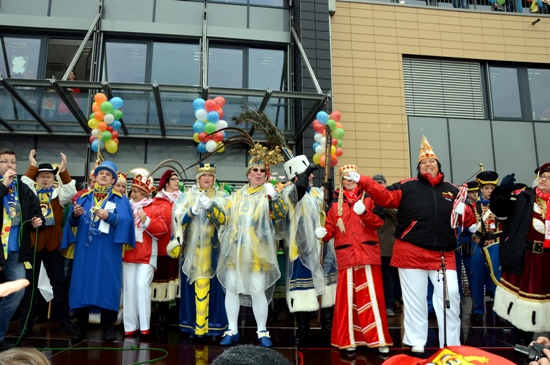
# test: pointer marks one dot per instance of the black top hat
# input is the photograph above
(47, 167)
(473, 185)
(487, 177)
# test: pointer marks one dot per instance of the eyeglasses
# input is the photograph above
(5, 162)
(255, 169)
(174, 179)
(544, 177)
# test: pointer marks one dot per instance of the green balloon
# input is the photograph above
(106, 135)
(332, 124)
(210, 127)
(106, 107)
(92, 116)
(117, 114)
(338, 133)
(339, 144)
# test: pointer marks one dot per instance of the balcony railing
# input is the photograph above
(506, 6)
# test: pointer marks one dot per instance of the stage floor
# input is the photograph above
(175, 347)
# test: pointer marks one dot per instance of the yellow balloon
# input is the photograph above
(316, 159)
(111, 146)
(332, 150)
(221, 147)
(196, 138)
(92, 123)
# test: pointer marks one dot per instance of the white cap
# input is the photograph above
(295, 166)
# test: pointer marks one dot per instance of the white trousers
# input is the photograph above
(137, 279)
(414, 285)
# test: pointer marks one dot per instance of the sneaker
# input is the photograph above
(265, 340)
(384, 350)
(390, 313)
(229, 338)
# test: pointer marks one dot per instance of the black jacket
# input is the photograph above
(30, 207)
(517, 214)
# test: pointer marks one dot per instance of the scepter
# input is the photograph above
(326, 192)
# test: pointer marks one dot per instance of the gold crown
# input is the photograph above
(347, 168)
(206, 167)
(426, 150)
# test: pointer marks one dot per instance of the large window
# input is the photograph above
(539, 79)
(175, 63)
(126, 62)
(21, 60)
(505, 95)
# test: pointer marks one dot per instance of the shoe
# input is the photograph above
(130, 333)
(78, 334)
(229, 338)
(109, 334)
(418, 350)
(145, 332)
(390, 313)
(351, 350)
(302, 329)
(477, 318)
(384, 350)
(66, 326)
(265, 340)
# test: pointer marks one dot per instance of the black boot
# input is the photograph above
(79, 332)
(302, 329)
(163, 310)
(326, 325)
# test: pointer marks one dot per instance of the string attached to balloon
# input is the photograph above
(322, 156)
(209, 124)
(105, 123)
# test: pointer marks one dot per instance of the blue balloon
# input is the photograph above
(117, 102)
(116, 125)
(94, 145)
(201, 147)
(213, 116)
(198, 103)
(322, 117)
(198, 127)
(315, 145)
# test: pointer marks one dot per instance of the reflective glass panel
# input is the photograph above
(175, 63)
(225, 67)
(538, 89)
(505, 92)
(125, 62)
(22, 55)
(266, 69)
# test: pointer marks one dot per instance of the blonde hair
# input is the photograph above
(23, 356)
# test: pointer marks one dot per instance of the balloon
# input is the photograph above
(203, 137)
(92, 123)
(339, 143)
(211, 145)
(201, 114)
(332, 150)
(99, 98)
(117, 125)
(221, 147)
(220, 101)
(95, 132)
(114, 134)
(316, 158)
(94, 145)
(109, 118)
(339, 125)
(335, 115)
(317, 137)
(320, 149)
(111, 146)
(198, 103)
(95, 107)
(319, 128)
(332, 124)
(196, 137)
(213, 117)
(99, 115)
(338, 133)
(117, 114)
(110, 129)
(198, 127)
(221, 124)
(339, 152)
(201, 147)
(102, 126)
(220, 113)
(209, 127)
(315, 145)
(322, 160)
(323, 141)
(116, 102)
(106, 107)
(334, 141)
(116, 140)
(106, 136)
(91, 139)
(333, 160)
(322, 117)
(217, 136)
(210, 105)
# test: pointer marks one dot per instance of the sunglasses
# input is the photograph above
(255, 169)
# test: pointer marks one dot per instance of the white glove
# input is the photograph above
(359, 207)
(320, 232)
(459, 209)
(204, 201)
(473, 228)
(173, 249)
(353, 176)
(196, 207)
(270, 190)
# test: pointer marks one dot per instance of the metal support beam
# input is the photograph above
(205, 92)
(107, 90)
(265, 100)
(23, 103)
(158, 101)
(71, 105)
(308, 65)
(6, 125)
(309, 117)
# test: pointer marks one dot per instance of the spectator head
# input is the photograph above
(106, 173)
(379, 178)
(250, 355)
(487, 182)
(120, 185)
(165, 181)
(206, 175)
(46, 175)
(428, 163)
(23, 356)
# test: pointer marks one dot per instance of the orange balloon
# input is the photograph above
(99, 115)
(220, 113)
(322, 160)
(95, 107)
(102, 126)
(338, 125)
(100, 98)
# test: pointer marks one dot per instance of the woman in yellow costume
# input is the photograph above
(197, 216)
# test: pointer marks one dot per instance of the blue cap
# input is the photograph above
(109, 166)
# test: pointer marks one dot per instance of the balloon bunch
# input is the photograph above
(208, 123)
(105, 123)
(337, 132)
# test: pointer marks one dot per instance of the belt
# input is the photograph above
(536, 247)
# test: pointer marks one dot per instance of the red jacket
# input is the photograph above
(359, 244)
(165, 208)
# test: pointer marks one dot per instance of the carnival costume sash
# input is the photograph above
(45, 197)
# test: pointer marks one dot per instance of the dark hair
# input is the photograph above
(250, 355)
(23, 356)
(7, 151)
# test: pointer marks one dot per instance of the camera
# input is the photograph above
(533, 352)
